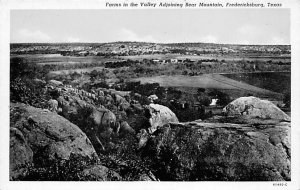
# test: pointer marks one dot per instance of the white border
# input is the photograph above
(6, 6)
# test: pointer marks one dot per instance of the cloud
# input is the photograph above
(128, 35)
(37, 36)
(209, 39)
(72, 39)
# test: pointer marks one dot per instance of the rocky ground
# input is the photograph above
(108, 135)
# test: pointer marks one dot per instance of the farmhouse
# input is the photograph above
(174, 60)
(214, 102)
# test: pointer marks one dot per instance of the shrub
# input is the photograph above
(26, 91)
(59, 170)
(287, 100)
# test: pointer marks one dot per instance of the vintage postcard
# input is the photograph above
(150, 94)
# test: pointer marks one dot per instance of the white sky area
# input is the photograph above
(234, 26)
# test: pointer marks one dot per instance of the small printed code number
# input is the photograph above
(279, 184)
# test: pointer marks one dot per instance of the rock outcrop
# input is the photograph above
(253, 107)
(125, 128)
(55, 83)
(20, 154)
(52, 105)
(38, 137)
(220, 152)
(99, 120)
(158, 116)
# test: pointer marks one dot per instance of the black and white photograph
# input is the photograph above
(171, 91)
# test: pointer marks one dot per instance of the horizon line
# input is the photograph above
(149, 43)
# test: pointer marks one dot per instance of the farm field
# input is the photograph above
(209, 81)
(274, 81)
(207, 56)
(79, 71)
(263, 84)
(55, 59)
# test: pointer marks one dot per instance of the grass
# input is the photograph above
(210, 81)
(53, 59)
(207, 56)
(275, 81)
(70, 71)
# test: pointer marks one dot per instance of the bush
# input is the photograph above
(26, 91)
(287, 100)
(20, 69)
(59, 170)
(203, 98)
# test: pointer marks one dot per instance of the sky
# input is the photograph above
(227, 26)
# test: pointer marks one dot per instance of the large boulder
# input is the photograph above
(124, 106)
(20, 154)
(55, 83)
(96, 122)
(118, 99)
(82, 113)
(159, 115)
(125, 128)
(253, 107)
(220, 152)
(103, 120)
(40, 136)
(52, 105)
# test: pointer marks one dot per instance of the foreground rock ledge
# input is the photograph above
(39, 137)
(220, 152)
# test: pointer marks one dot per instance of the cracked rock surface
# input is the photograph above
(221, 152)
(39, 136)
(159, 115)
(255, 108)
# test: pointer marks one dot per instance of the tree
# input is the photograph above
(93, 75)
(20, 69)
(204, 99)
(287, 100)
(200, 90)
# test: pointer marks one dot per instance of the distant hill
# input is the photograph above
(188, 44)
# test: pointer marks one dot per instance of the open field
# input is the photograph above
(210, 81)
(54, 59)
(275, 81)
(263, 83)
(79, 71)
(208, 56)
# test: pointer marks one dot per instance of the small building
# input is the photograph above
(174, 61)
(214, 102)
